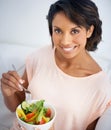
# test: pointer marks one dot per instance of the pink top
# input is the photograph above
(78, 100)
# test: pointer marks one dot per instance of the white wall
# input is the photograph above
(105, 9)
(24, 21)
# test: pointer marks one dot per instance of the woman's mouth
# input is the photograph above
(69, 49)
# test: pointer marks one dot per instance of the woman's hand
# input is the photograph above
(10, 83)
(12, 90)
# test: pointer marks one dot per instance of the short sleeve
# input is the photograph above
(29, 68)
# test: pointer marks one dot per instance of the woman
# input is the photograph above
(65, 74)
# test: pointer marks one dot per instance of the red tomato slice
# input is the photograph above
(48, 112)
(42, 121)
(30, 115)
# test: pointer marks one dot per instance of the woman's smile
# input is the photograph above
(69, 49)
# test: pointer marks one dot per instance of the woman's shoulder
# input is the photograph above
(102, 79)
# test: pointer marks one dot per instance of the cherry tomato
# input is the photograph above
(48, 112)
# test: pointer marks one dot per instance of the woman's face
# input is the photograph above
(69, 39)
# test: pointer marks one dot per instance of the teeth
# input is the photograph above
(68, 49)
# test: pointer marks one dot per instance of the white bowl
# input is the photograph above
(45, 126)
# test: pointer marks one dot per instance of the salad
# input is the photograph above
(34, 113)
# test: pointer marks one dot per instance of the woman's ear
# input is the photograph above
(90, 31)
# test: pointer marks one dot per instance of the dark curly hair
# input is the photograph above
(81, 12)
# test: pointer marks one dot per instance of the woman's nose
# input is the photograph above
(66, 39)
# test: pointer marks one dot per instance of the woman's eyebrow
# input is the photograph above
(55, 26)
(76, 26)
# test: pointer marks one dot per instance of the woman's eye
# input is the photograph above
(75, 31)
(58, 31)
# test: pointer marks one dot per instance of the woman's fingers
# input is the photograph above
(52, 127)
(17, 78)
(17, 126)
(11, 82)
(14, 74)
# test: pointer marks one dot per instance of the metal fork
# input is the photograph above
(27, 92)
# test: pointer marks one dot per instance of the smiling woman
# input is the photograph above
(65, 68)
(68, 37)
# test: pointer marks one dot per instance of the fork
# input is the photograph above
(27, 92)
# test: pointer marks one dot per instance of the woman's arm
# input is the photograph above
(11, 90)
(92, 125)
